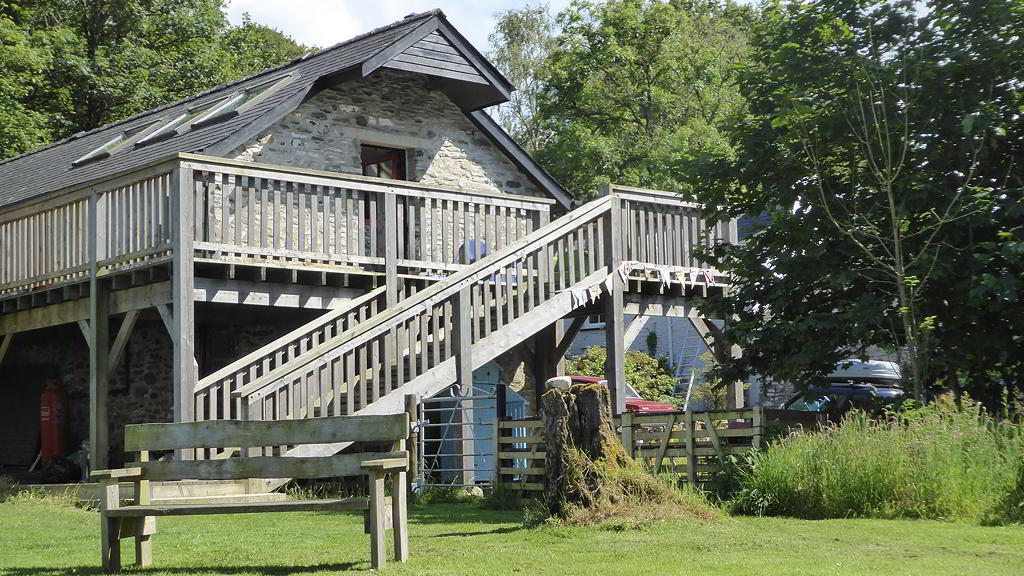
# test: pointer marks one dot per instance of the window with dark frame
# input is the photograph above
(383, 162)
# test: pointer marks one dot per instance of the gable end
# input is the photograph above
(434, 55)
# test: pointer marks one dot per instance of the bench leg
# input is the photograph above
(110, 543)
(378, 530)
(110, 528)
(399, 520)
(144, 529)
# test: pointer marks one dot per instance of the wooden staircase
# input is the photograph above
(365, 358)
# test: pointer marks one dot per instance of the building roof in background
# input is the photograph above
(222, 118)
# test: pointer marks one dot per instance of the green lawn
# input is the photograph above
(42, 538)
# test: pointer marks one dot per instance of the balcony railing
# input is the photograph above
(255, 214)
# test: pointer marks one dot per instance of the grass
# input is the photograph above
(48, 538)
(938, 462)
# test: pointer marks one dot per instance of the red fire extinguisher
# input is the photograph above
(53, 420)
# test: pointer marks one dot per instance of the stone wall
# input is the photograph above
(140, 386)
(393, 109)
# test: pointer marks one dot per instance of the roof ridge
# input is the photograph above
(406, 20)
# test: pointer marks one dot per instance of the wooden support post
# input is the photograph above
(558, 361)
(378, 522)
(544, 344)
(183, 314)
(96, 335)
(462, 337)
(615, 370)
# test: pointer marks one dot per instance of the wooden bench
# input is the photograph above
(255, 438)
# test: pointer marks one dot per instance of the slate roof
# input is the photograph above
(49, 169)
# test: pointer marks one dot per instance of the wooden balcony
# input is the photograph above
(290, 222)
(239, 213)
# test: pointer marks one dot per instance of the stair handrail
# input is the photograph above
(437, 292)
(294, 336)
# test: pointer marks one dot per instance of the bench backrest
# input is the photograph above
(390, 429)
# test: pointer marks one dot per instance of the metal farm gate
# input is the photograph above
(456, 440)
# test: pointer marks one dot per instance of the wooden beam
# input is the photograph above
(713, 338)
(5, 346)
(658, 305)
(121, 341)
(635, 326)
(716, 341)
(274, 294)
(167, 318)
(71, 311)
(568, 337)
(83, 325)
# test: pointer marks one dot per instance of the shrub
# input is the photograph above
(651, 377)
(1010, 508)
(937, 462)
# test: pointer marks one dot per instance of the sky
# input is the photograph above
(326, 22)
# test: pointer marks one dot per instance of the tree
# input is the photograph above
(23, 58)
(636, 87)
(252, 47)
(878, 152)
(71, 66)
(523, 39)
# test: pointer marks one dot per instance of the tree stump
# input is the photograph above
(578, 432)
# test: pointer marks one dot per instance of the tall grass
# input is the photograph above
(938, 462)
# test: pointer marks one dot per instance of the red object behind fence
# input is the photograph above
(53, 420)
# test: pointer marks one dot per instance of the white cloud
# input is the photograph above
(327, 22)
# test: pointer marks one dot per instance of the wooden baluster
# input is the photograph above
(424, 318)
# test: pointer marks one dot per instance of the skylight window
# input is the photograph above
(218, 110)
(122, 139)
(243, 100)
(226, 107)
(167, 130)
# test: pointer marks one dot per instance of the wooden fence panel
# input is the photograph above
(693, 446)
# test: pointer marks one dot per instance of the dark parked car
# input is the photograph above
(838, 398)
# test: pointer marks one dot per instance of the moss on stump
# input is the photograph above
(588, 477)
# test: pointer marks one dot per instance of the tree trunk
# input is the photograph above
(578, 431)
